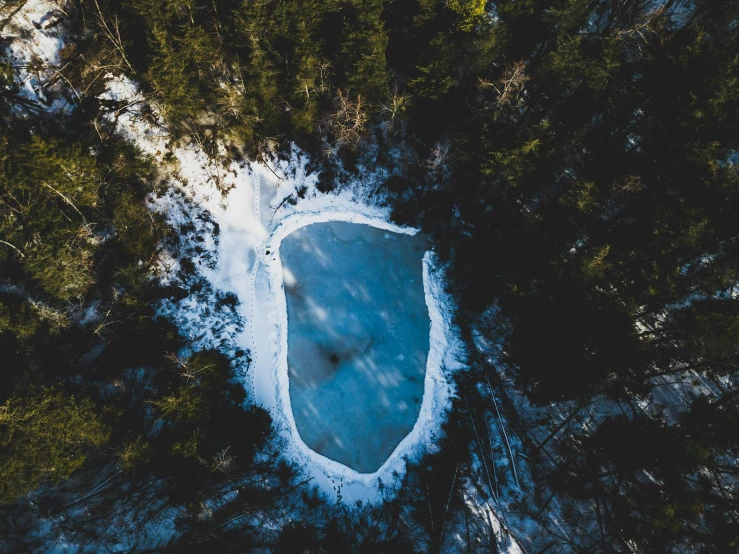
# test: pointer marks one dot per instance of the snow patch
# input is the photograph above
(35, 35)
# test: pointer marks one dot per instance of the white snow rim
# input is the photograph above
(437, 387)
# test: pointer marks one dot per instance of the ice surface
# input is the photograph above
(358, 338)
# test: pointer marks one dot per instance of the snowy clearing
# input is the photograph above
(235, 213)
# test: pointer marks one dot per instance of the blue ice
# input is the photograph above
(358, 338)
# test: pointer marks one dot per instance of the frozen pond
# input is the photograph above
(358, 338)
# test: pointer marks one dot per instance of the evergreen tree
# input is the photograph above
(44, 435)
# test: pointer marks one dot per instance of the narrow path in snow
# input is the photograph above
(263, 387)
(253, 281)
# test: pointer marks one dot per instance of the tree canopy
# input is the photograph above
(575, 164)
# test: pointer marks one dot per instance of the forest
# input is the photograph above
(575, 164)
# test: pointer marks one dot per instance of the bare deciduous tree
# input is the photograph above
(393, 109)
(223, 460)
(438, 155)
(186, 368)
(509, 87)
(309, 86)
(348, 122)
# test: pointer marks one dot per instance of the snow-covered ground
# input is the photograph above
(34, 31)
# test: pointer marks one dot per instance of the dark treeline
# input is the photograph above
(575, 162)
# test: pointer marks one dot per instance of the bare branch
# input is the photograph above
(66, 199)
(13, 247)
(112, 34)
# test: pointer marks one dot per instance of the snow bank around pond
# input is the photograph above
(229, 214)
(348, 483)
